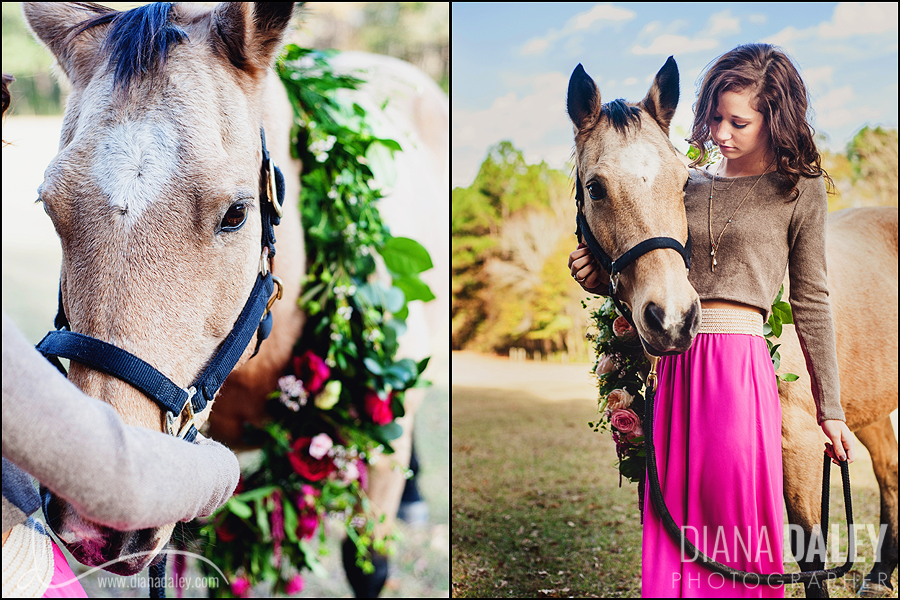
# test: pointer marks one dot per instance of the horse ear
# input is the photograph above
(54, 22)
(662, 99)
(583, 99)
(250, 33)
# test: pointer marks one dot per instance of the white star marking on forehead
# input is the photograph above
(641, 160)
(132, 164)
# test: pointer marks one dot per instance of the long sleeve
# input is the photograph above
(114, 474)
(809, 300)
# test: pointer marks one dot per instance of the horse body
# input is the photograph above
(861, 246)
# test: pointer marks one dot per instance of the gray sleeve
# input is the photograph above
(114, 474)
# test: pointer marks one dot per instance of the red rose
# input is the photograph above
(378, 405)
(305, 465)
(312, 371)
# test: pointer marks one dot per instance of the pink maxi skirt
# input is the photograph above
(717, 431)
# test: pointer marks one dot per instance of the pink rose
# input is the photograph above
(378, 406)
(622, 329)
(619, 399)
(312, 371)
(305, 465)
(625, 420)
(605, 365)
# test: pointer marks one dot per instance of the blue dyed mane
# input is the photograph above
(138, 40)
(621, 115)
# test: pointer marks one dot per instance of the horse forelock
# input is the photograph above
(138, 40)
(622, 116)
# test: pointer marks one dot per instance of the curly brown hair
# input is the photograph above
(782, 99)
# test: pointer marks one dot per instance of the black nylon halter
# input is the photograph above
(614, 267)
(255, 318)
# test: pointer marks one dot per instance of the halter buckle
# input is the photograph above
(614, 280)
(172, 417)
(273, 196)
(276, 296)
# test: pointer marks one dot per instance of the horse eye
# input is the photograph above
(596, 191)
(235, 217)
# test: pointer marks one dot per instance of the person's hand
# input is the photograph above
(841, 446)
(587, 272)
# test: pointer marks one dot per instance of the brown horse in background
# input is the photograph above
(861, 246)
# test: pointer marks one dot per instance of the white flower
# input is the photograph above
(320, 445)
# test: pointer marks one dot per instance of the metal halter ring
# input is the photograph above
(273, 197)
(276, 296)
(171, 417)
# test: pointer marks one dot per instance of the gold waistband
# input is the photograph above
(731, 320)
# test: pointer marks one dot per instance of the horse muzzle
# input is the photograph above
(95, 545)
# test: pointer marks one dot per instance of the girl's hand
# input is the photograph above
(841, 446)
(587, 272)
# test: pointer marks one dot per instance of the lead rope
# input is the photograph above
(747, 578)
(158, 578)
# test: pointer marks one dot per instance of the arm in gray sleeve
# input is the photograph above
(114, 474)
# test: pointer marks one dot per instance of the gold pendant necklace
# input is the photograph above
(714, 246)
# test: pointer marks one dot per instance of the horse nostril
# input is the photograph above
(654, 316)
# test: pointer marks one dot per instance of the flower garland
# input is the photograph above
(334, 413)
(621, 369)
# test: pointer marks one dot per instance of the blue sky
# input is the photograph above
(512, 61)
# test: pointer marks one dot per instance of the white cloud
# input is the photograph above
(722, 24)
(529, 120)
(599, 14)
(860, 18)
(669, 44)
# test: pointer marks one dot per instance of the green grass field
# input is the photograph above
(536, 506)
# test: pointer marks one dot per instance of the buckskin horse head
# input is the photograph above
(630, 184)
(156, 196)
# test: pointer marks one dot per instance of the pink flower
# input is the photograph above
(605, 365)
(312, 371)
(277, 524)
(622, 329)
(305, 465)
(378, 405)
(627, 422)
(320, 446)
(307, 523)
(618, 399)
(240, 587)
(294, 586)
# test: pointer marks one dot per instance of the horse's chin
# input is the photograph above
(95, 545)
(677, 347)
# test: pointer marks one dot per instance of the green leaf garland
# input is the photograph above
(334, 412)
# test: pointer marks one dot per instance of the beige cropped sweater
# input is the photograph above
(768, 235)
